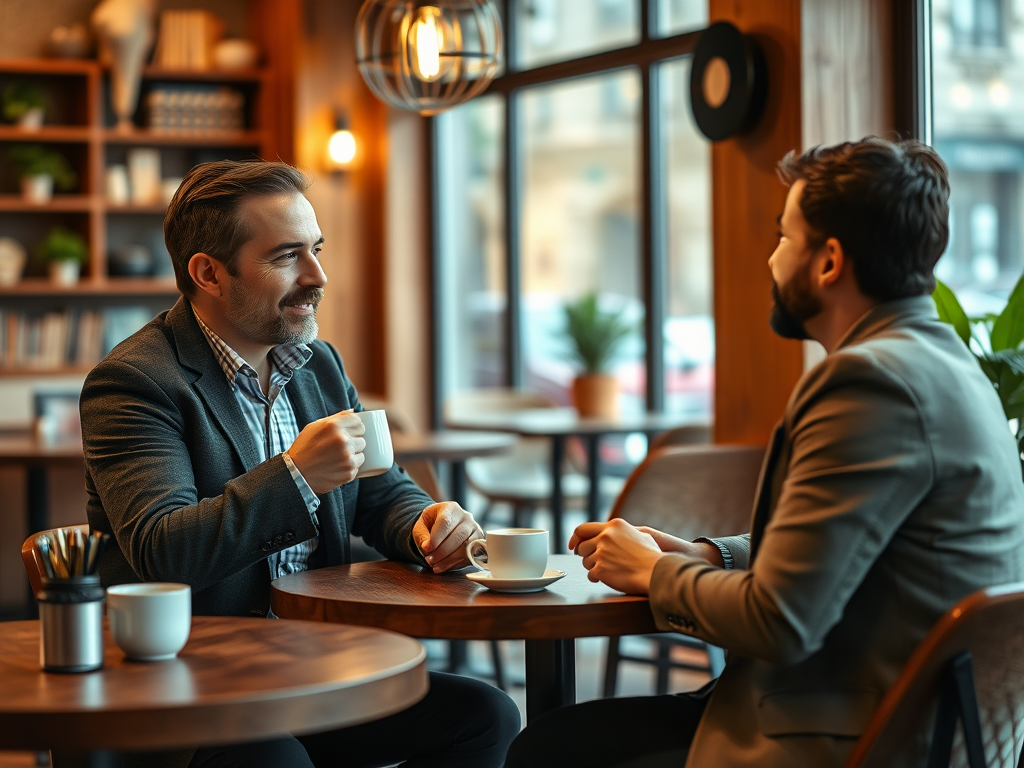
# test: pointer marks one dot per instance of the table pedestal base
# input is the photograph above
(550, 676)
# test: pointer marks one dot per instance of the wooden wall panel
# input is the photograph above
(755, 370)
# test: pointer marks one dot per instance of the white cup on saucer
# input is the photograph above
(379, 454)
(512, 553)
(150, 621)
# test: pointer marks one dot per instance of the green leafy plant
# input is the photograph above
(37, 160)
(19, 98)
(595, 335)
(998, 343)
(61, 244)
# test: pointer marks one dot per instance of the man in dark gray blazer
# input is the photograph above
(891, 489)
(222, 451)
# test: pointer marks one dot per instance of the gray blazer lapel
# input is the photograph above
(766, 488)
(211, 384)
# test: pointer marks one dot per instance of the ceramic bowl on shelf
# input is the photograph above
(130, 261)
(234, 54)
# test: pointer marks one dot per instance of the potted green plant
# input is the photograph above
(997, 341)
(65, 251)
(594, 335)
(40, 170)
(24, 104)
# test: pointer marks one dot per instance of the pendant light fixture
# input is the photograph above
(428, 55)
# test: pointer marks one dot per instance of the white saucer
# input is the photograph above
(515, 585)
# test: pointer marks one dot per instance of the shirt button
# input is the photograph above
(265, 546)
(290, 536)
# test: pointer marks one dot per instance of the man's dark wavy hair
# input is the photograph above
(886, 203)
(203, 216)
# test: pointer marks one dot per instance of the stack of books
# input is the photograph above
(192, 109)
(52, 340)
(186, 39)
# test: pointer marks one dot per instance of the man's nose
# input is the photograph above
(313, 272)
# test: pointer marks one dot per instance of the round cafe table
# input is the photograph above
(236, 680)
(409, 599)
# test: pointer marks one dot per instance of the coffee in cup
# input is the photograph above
(379, 454)
(151, 621)
(512, 553)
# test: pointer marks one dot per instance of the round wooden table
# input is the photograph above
(409, 599)
(236, 680)
(558, 425)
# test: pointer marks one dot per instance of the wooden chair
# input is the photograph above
(686, 492)
(33, 567)
(520, 477)
(691, 434)
(969, 668)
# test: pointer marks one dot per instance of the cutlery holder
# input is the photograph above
(71, 624)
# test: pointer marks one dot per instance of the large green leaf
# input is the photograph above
(951, 312)
(1008, 329)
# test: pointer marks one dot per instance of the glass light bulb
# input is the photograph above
(341, 147)
(427, 42)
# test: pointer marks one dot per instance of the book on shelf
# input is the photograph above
(68, 339)
(186, 39)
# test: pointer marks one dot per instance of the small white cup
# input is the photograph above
(512, 553)
(151, 621)
(379, 454)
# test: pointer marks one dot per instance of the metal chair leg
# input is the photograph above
(611, 668)
(499, 667)
(663, 665)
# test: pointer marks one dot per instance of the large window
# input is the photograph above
(580, 170)
(978, 96)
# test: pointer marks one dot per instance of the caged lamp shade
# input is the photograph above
(428, 55)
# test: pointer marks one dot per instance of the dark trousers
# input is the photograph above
(631, 732)
(461, 723)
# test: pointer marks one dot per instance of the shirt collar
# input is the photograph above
(284, 358)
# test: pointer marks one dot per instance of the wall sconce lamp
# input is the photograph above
(342, 148)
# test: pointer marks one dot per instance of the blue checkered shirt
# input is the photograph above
(272, 423)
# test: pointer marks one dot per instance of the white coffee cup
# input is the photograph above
(379, 454)
(151, 621)
(512, 553)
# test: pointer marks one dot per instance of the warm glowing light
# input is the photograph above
(342, 148)
(999, 92)
(427, 42)
(961, 95)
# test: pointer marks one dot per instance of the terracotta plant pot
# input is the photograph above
(37, 189)
(596, 396)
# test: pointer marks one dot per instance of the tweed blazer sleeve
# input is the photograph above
(859, 463)
(178, 501)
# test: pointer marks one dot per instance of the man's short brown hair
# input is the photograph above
(886, 202)
(203, 215)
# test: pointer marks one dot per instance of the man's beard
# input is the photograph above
(247, 312)
(794, 305)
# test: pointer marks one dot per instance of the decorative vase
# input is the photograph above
(596, 395)
(124, 31)
(12, 261)
(37, 189)
(32, 120)
(65, 272)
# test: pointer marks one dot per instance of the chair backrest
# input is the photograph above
(989, 625)
(28, 556)
(692, 434)
(693, 491)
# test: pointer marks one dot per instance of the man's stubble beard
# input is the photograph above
(794, 306)
(247, 313)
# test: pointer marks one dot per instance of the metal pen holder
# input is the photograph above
(71, 624)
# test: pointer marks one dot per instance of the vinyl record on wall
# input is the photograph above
(728, 82)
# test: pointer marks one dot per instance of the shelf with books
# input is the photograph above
(100, 286)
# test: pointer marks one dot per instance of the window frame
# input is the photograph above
(649, 52)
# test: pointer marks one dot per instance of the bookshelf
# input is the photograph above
(49, 329)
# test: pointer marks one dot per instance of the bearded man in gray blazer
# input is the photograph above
(891, 489)
(222, 451)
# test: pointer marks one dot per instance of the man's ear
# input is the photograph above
(208, 274)
(831, 263)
